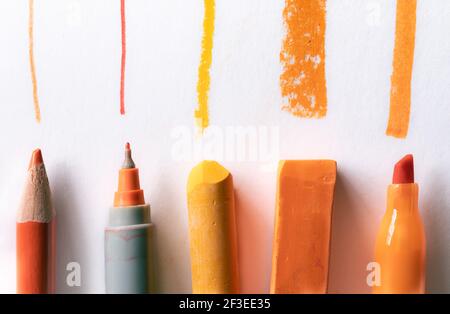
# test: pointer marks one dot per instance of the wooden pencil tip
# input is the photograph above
(36, 158)
(127, 146)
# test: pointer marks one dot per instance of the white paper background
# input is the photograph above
(77, 54)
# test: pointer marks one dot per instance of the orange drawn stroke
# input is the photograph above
(204, 79)
(37, 110)
(302, 81)
(400, 99)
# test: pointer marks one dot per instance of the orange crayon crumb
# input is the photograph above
(302, 82)
(405, 30)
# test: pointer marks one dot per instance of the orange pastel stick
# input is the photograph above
(35, 241)
(303, 226)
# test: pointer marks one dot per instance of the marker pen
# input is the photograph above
(400, 244)
(128, 237)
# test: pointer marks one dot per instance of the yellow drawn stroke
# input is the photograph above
(204, 79)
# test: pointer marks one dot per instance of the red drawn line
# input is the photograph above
(124, 54)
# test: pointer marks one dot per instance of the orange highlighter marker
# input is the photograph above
(400, 244)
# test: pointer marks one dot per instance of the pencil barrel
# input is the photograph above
(35, 258)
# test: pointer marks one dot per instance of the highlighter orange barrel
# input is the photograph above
(400, 244)
(35, 230)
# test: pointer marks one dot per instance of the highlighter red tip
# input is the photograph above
(127, 146)
(404, 170)
(36, 158)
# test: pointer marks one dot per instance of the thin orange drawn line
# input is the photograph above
(37, 110)
(204, 79)
(302, 81)
(400, 98)
(123, 57)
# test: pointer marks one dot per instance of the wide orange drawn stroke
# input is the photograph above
(302, 82)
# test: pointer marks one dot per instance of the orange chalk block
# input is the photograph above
(212, 229)
(303, 226)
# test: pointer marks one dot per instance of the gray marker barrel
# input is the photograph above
(128, 250)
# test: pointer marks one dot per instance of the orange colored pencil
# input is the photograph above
(35, 232)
